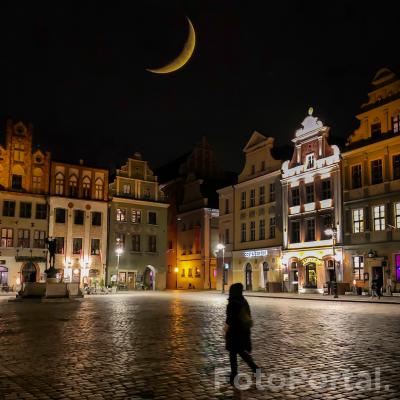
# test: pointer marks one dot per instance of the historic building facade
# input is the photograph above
(312, 211)
(78, 221)
(250, 224)
(137, 228)
(371, 176)
(24, 172)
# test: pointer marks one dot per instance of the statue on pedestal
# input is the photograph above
(51, 272)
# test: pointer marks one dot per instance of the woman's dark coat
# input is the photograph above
(238, 335)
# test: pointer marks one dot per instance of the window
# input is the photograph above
(326, 189)
(243, 232)
(99, 189)
(19, 152)
(39, 239)
(183, 273)
(119, 240)
(252, 197)
(36, 184)
(60, 215)
(356, 181)
(243, 195)
(86, 187)
(376, 129)
(252, 230)
(16, 182)
(397, 214)
(96, 218)
(261, 232)
(152, 243)
(136, 216)
(397, 261)
(376, 172)
(73, 186)
(79, 216)
(295, 232)
(309, 193)
(295, 197)
(190, 273)
(226, 206)
(261, 194)
(396, 124)
(25, 210)
(59, 245)
(358, 220)
(310, 230)
(396, 166)
(326, 223)
(272, 192)
(310, 161)
(272, 225)
(8, 208)
(152, 218)
(197, 273)
(23, 238)
(135, 242)
(126, 189)
(76, 245)
(121, 214)
(60, 184)
(7, 237)
(358, 268)
(95, 247)
(379, 218)
(227, 236)
(41, 211)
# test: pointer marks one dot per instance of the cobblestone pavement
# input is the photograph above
(169, 345)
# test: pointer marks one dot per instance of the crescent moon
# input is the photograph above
(184, 55)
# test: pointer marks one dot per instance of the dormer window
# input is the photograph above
(310, 160)
(376, 129)
(396, 123)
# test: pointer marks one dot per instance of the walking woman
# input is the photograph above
(237, 330)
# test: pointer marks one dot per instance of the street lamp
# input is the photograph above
(118, 252)
(220, 247)
(176, 269)
(332, 231)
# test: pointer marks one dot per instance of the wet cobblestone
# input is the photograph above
(169, 346)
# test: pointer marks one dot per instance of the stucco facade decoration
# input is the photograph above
(312, 211)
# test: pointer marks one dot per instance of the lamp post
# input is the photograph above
(220, 246)
(118, 252)
(176, 269)
(333, 232)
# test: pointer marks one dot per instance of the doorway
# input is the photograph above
(29, 272)
(265, 275)
(377, 273)
(249, 277)
(3, 276)
(148, 278)
(131, 280)
(311, 276)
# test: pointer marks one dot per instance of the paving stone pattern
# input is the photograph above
(170, 345)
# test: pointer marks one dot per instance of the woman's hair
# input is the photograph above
(236, 291)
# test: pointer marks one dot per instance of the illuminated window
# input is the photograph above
(376, 172)
(126, 189)
(120, 240)
(152, 243)
(252, 197)
(262, 229)
(396, 166)
(358, 220)
(295, 232)
(39, 239)
(24, 238)
(379, 218)
(121, 214)
(197, 273)
(60, 245)
(295, 197)
(95, 247)
(396, 124)
(356, 176)
(326, 223)
(310, 230)
(243, 195)
(261, 194)
(76, 245)
(326, 189)
(272, 226)
(73, 186)
(310, 160)
(59, 183)
(7, 236)
(86, 187)
(99, 187)
(376, 129)
(272, 192)
(397, 261)
(309, 193)
(19, 152)
(190, 273)
(135, 242)
(397, 214)
(252, 230)
(8, 208)
(136, 216)
(243, 232)
(358, 268)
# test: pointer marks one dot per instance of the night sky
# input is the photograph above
(77, 71)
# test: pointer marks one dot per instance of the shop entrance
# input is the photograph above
(3, 276)
(249, 277)
(311, 276)
(29, 272)
(265, 275)
(131, 280)
(377, 273)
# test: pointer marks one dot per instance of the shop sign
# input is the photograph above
(255, 253)
(308, 260)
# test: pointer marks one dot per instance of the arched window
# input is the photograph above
(99, 189)
(86, 187)
(73, 186)
(60, 183)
